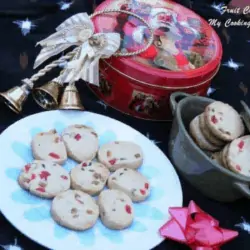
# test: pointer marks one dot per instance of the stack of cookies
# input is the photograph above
(235, 156)
(109, 172)
(218, 131)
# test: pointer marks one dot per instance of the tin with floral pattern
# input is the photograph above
(185, 56)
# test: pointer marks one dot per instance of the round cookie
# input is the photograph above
(238, 156)
(223, 121)
(81, 142)
(44, 178)
(116, 209)
(120, 154)
(49, 146)
(224, 154)
(217, 157)
(200, 140)
(207, 134)
(75, 210)
(89, 177)
(131, 182)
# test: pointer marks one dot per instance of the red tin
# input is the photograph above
(185, 56)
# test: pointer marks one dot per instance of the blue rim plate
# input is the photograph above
(31, 215)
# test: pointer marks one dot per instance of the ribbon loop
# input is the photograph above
(86, 66)
(72, 32)
(81, 19)
(197, 229)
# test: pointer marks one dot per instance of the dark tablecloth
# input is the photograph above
(17, 54)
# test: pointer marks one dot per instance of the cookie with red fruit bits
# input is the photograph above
(207, 134)
(81, 142)
(120, 154)
(199, 138)
(49, 146)
(216, 156)
(224, 154)
(75, 210)
(223, 121)
(131, 182)
(45, 179)
(116, 209)
(238, 156)
(89, 177)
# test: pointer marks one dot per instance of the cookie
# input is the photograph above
(207, 134)
(120, 154)
(199, 138)
(238, 156)
(75, 210)
(224, 154)
(81, 142)
(44, 178)
(131, 182)
(116, 209)
(49, 146)
(223, 121)
(217, 158)
(89, 177)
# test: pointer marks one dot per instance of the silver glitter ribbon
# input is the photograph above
(78, 30)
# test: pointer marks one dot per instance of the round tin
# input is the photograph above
(185, 56)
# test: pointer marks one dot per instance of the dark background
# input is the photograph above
(17, 54)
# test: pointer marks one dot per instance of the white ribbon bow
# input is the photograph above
(78, 30)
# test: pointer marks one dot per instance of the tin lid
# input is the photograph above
(183, 41)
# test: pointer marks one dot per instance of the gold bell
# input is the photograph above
(71, 99)
(15, 97)
(46, 96)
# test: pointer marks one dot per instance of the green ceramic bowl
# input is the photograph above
(213, 180)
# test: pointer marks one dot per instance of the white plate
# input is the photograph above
(31, 215)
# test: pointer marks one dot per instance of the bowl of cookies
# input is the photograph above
(210, 146)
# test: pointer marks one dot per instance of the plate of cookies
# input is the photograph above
(79, 180)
